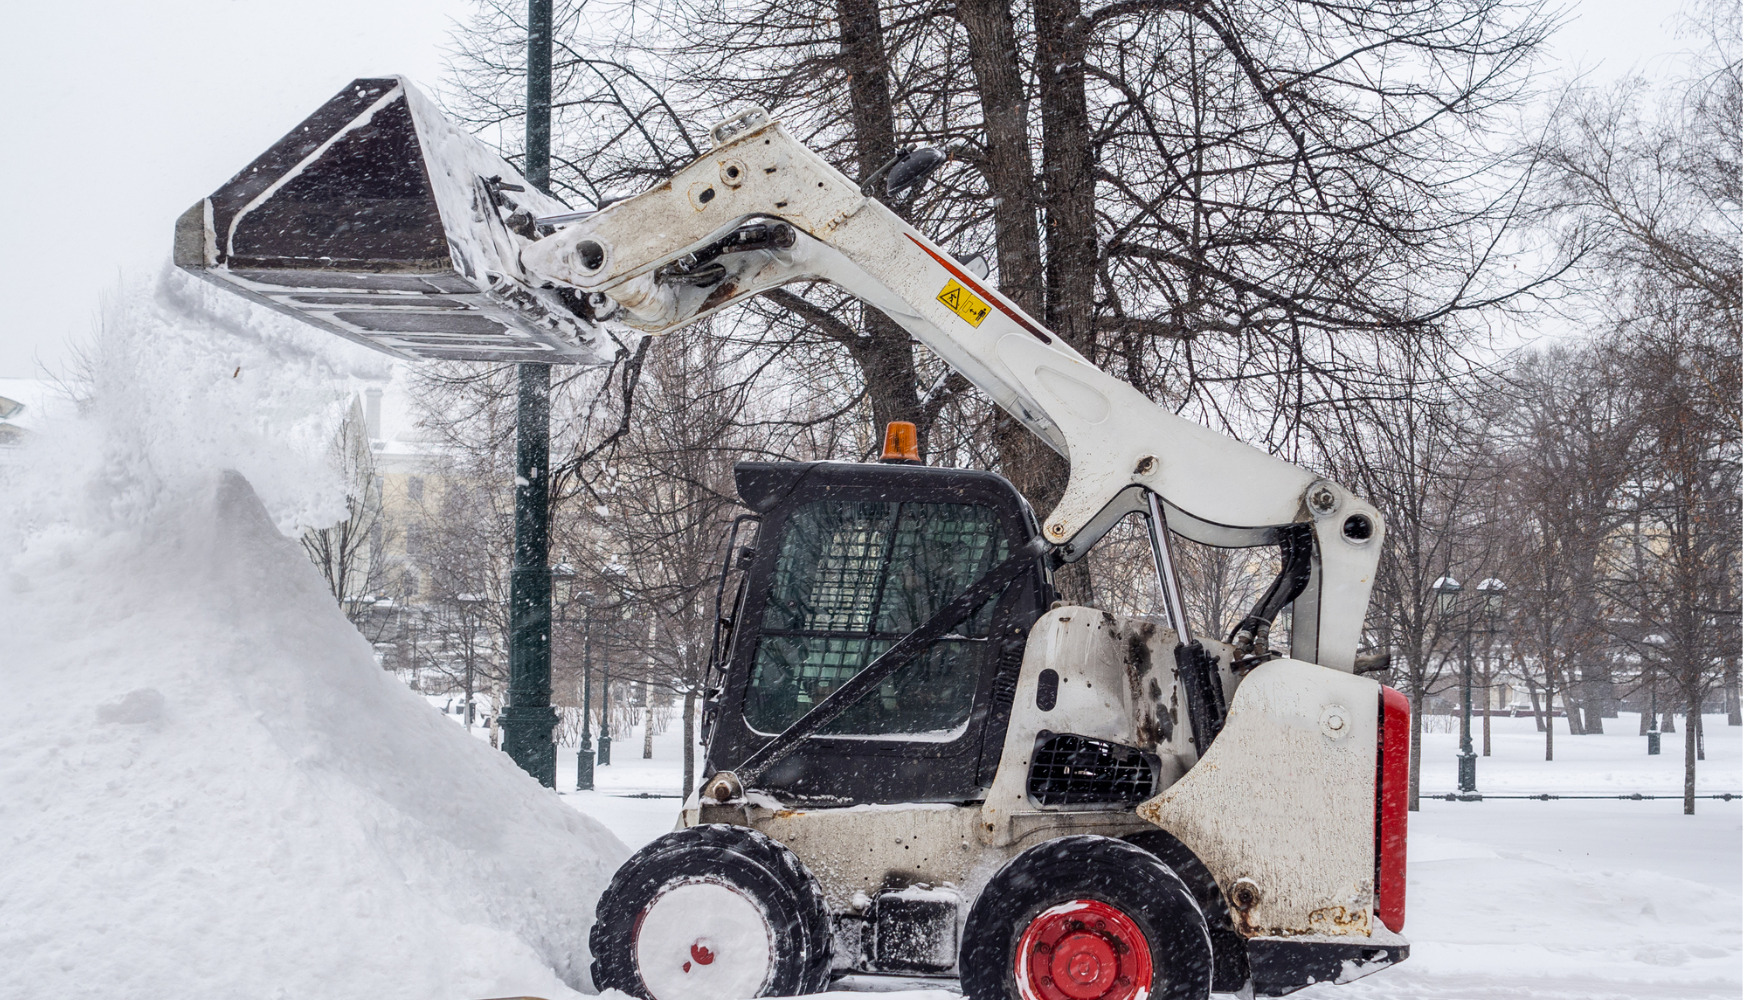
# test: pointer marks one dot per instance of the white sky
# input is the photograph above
(120, 114)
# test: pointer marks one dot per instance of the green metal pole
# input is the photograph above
(528, 716)
(538, 125)
(1467, 757)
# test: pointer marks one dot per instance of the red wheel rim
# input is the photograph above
(1083, 950)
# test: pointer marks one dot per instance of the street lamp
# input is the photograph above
(1446, 591)
(1448, 603)
(564, 578)
(604, 748)
(564, 584)
(469, 604)
(1653, 699)
(605, 742)
(1492, 594)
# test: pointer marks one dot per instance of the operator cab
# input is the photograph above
(847, 559)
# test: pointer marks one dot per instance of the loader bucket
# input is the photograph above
(378, 220)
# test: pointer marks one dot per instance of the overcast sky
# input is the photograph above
(119, 115)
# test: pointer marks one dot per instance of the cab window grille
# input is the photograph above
(1069, 770)
(852, 578)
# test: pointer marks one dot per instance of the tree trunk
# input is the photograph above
(1668, 724)
(1600, 699)
(1067, 164)
(890, 372)
(1573, 703)
(689, 780)
(1488, 713)
(1549, 715)
(607, 727)
(1700, 735)
(468, 693)
(1734, 714)
(1007, 165)
(1649, 713)
(1488, 700)
(650, 689)
(1040, 475)
(649, 719)
(1008, 158)
(1416, 694)
(863, 56)
(884, 354)
(1691, 736)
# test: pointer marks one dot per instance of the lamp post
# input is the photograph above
(605, 743)
(1449, 602)
(1492, 595)
(469, 605)
(1653, 698)
(528, 713)
(564, 593)
(585, 753)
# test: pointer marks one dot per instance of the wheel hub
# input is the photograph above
(1083, 950)
(702, 939)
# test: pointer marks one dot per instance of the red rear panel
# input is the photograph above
(1392, 810)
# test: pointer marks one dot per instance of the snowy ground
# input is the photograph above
(1516, 900)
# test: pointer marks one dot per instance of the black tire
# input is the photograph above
(710, 859)
(1231, 969)
(1055, 874)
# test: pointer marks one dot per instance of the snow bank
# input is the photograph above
(210, 790)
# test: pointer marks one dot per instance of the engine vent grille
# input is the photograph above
(1069, 769)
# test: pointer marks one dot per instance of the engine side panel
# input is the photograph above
(1281, 807)
(1115, 680)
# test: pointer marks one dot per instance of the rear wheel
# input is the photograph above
(1085, 918)
(711, 912)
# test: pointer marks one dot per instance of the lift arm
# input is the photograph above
(761, 210)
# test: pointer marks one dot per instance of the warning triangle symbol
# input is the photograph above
(951, 298)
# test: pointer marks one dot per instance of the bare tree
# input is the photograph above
(353, 552)
(1654, 186)
(1285, 221)
(458, 541)
(664, 504)
(1231, 204)
(1419, 459)
(1573, 437)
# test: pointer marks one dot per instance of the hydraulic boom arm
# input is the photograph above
(761, 210)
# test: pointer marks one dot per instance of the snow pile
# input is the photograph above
(210, 790)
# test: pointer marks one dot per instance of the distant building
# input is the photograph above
(25, 404)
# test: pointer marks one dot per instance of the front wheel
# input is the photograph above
(1085, 918)
(708, 913)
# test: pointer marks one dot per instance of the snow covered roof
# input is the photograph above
(26, 403)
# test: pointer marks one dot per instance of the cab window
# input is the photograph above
(852, 578)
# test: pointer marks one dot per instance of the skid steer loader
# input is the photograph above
(919, 760)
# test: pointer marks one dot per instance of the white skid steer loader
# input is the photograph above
(918, 761)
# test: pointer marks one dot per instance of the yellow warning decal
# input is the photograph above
(966, 305)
